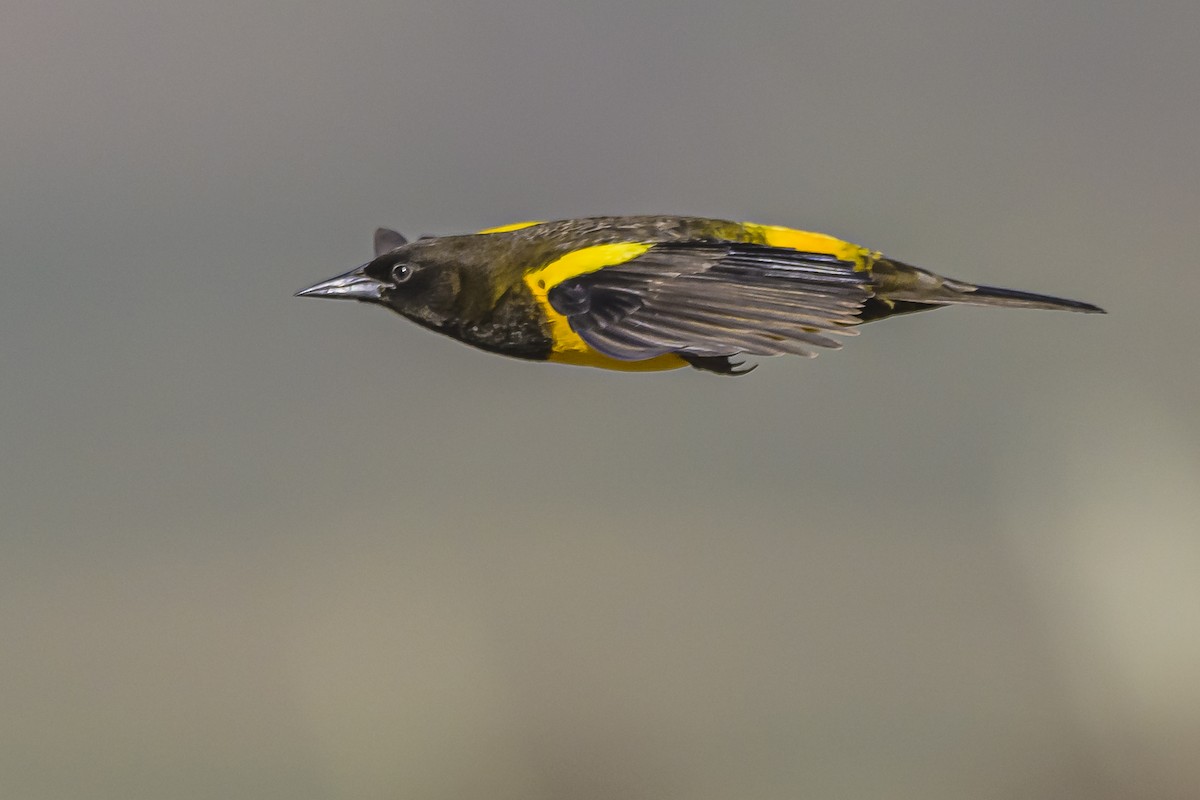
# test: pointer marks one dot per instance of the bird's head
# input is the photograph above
(411, 278)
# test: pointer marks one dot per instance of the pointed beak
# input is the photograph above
(354, 285)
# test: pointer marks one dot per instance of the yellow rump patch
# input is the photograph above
(568, 347)
(514, 226)
(806, 241)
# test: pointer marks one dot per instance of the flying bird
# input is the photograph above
(650, 292)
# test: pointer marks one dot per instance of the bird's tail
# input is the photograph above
(908, 284)
(993, 296)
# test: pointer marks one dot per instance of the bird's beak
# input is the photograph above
(354, 285)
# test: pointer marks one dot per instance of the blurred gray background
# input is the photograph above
(256, 546)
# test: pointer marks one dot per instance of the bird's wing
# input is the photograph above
(714, 299)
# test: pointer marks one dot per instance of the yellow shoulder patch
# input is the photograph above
(514, 226)
(581, 262)
(568, 347)
(809, 242)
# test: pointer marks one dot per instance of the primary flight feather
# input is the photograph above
(651, 293)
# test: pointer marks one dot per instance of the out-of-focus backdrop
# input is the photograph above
(258, 546)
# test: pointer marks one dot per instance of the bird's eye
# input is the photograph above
(401, 273)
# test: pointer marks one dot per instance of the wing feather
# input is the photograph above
(715, 300)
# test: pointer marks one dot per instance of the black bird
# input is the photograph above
(651, 293)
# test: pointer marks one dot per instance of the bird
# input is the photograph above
(648, 293)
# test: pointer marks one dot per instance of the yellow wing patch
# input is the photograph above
(568, 347)
(806, 241)
(513, 226)
(581, 262)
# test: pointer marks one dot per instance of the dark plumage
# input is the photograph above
(647, 293)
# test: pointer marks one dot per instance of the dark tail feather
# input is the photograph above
(899, 284)
(994, 296)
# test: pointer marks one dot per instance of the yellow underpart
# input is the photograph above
(808, 242)
(513, 226)
(567, 347)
